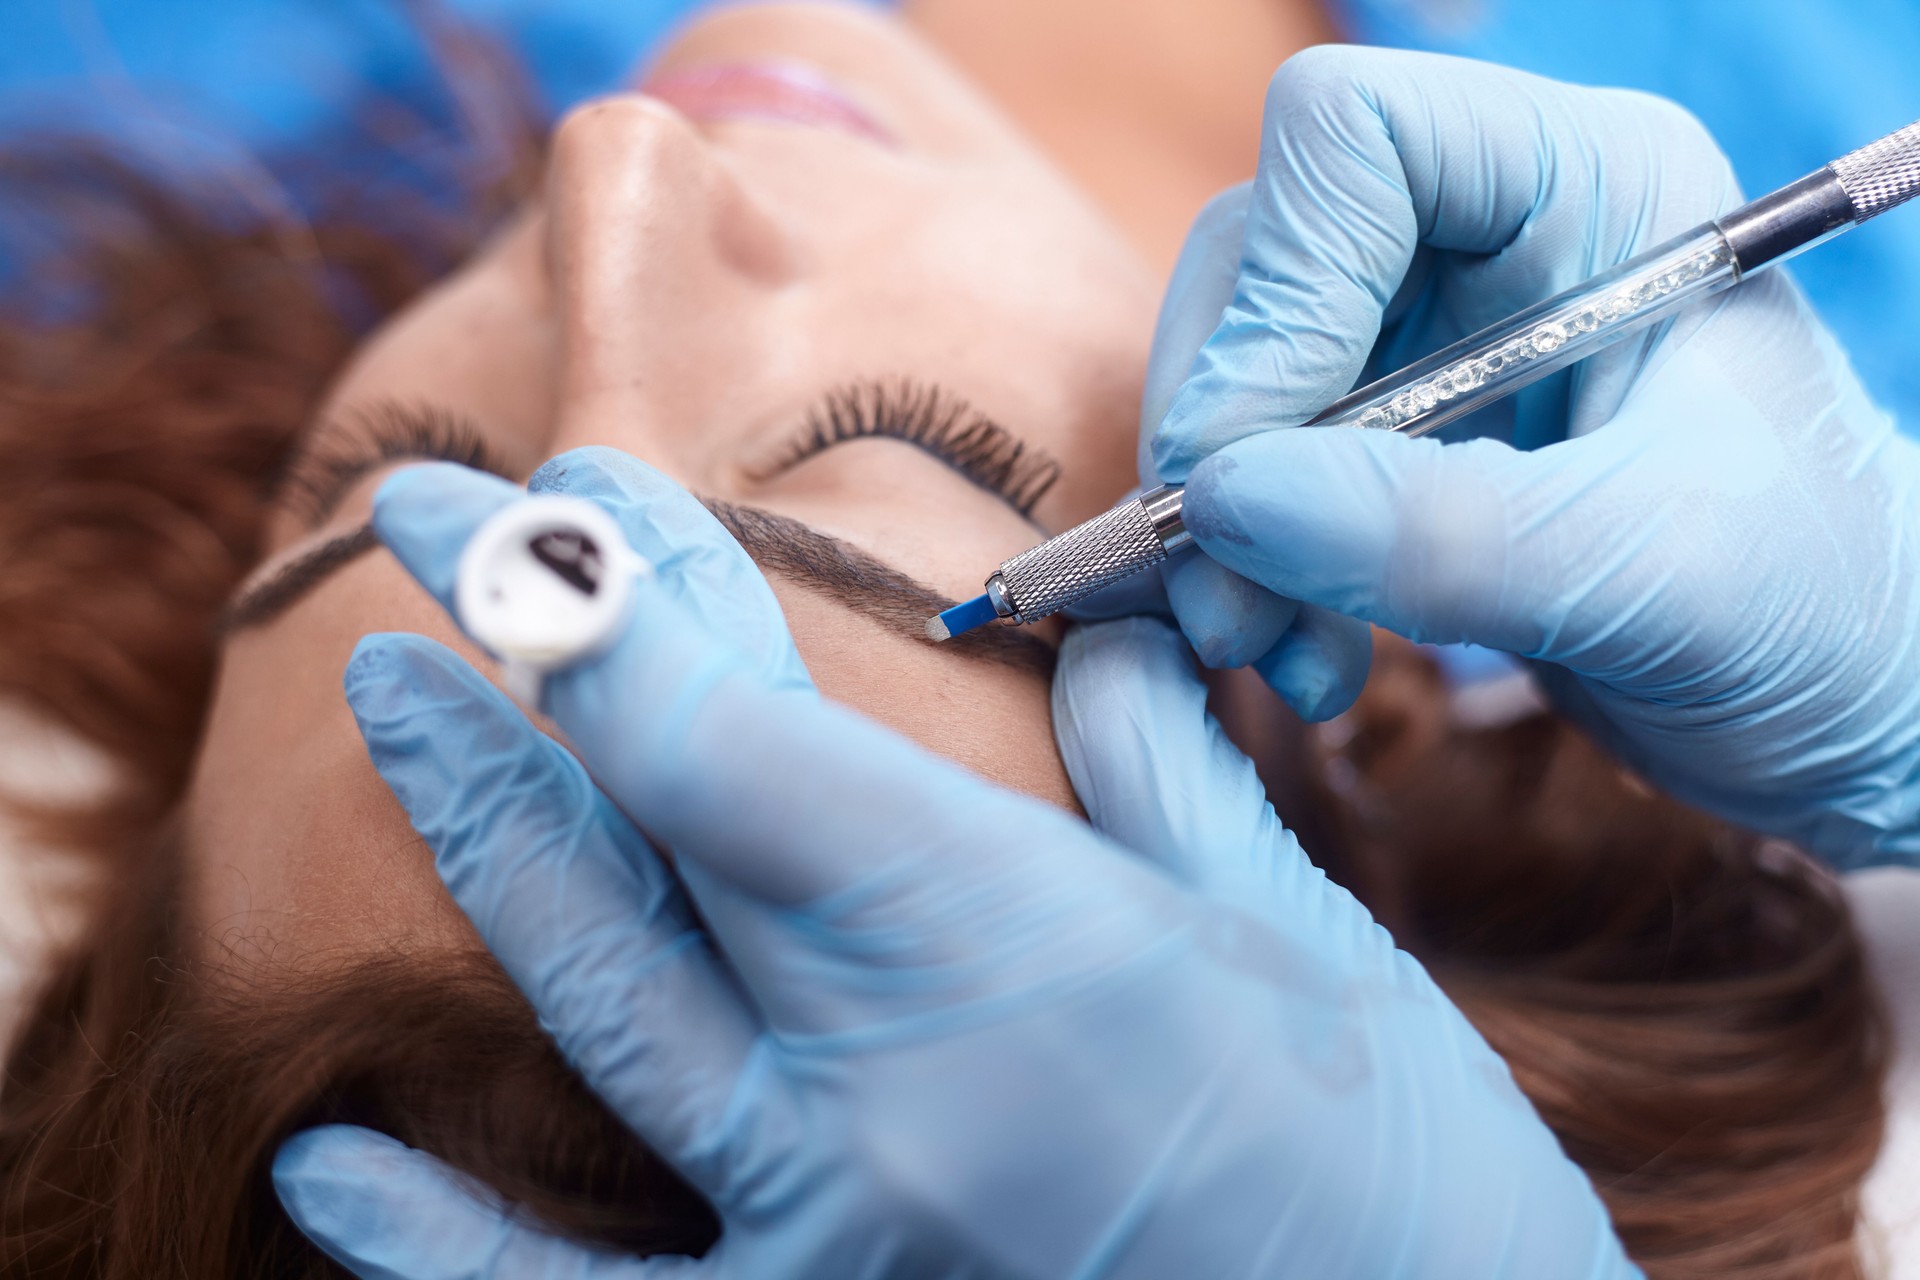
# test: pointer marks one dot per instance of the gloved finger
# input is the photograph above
(1320, 665)
(572, 900)
(385, 1211)
(1156, 772)
(1369, 153)
(1229, 620)
(670, 716)
(425, 514)
(1142, 593)
(1439, 543)
(693, 555)
(1197, 295)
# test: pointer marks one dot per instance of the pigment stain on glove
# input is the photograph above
(1201, 511)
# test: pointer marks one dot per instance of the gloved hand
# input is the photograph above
(1713, 540)
(932, 1028)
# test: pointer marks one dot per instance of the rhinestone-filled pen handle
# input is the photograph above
(1502, 358)
(1550, 335)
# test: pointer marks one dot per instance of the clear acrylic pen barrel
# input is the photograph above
(1500, 359)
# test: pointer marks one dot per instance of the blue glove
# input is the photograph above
(931, 1028)
(1713, 538)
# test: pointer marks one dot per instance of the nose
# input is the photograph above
(662, 262)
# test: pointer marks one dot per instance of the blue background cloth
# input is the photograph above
(268, 73)
(1785, 85)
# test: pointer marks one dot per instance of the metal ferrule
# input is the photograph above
(1786, 222)
(1162, 506)
(996, 592)
(1859, 185)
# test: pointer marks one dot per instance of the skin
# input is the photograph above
(1151, 107)
(685, 290)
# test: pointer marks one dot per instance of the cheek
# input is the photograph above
(992, 719)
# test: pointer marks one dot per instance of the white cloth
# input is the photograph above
(1886, 905)
(38, 892)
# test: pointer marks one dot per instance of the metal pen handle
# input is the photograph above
(1501, 358)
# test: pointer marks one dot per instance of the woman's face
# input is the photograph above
(803, 200)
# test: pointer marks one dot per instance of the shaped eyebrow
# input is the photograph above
(779, 544)
(258, 605)
(868, 585)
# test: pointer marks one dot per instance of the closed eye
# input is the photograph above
(942, 424)
(339, 454)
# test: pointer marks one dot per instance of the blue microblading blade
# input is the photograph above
(977, 612)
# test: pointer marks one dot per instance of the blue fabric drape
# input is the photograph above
(1785, 86)
(268, 73)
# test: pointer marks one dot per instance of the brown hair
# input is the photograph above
(146, 1098)
(1686, 1005)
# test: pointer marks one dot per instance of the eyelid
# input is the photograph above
(935, 421)
(336, 455)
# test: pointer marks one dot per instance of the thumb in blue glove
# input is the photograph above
(1402, 201)
(1314, 658)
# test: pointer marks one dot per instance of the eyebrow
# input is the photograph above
(863, 583)
(261, 604)
(868, 585)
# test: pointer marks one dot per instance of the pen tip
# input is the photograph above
(960, 619)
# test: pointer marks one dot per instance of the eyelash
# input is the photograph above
(977, 447)
(385, 433)
(944, 425)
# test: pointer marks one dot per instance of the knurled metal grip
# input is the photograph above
(1881, 174)
(1113, 545)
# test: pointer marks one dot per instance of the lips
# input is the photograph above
(783, 92)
